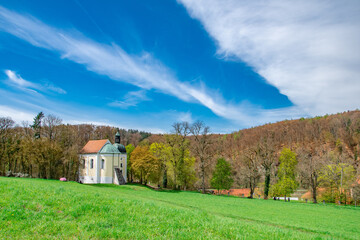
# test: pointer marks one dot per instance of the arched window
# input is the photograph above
(92, 163)
(83, 163)
(102, 163)
(121, 165)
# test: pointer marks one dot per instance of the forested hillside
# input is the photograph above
(46, 148)
(323, 152)
(326, 150)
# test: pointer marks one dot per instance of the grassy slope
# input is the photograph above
(34, 208)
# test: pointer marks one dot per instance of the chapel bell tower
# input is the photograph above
(117, 137)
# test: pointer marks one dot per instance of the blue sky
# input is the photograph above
(147, 64)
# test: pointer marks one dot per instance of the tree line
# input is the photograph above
(271, 160)
(47, 148)
(318, 153)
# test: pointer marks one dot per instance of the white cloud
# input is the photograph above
(16, 80)
(53, 88)
(20, 114)
(309, 50)
(17, 115)
(185, 117)
(143, 71)
(131, 99)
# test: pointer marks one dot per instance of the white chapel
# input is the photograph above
(103, 162)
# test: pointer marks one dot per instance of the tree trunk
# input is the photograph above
(252, 188)
(314, 186)
(165, 178)
(203, 178)
(267, 184)
(15, 166)
(175, 176)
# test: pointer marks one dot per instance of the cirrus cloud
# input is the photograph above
(143, 71)
(309, 50)
(16, 80)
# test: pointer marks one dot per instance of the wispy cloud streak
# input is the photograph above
(16, 80)
(143, 71)
(131, 99)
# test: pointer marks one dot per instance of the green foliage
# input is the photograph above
(180, 164)
(186, 171)
(37, 124)
(145, 165)
(222, 177)
(337, 174)
(286, 172)
(48, 209)
(330, 195)
(129, 148)
(236, 135)
(162, 151)
(284, 187)
(288, 163)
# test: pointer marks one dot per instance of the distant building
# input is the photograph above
(103, 162)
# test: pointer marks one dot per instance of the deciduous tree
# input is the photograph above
(145, 165)
(163, 153)
(286, 172)
(251, 165)
(202, 149)
(309, 168)
(266, 152)
(222, 176)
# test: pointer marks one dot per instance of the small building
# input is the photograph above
(103, 162)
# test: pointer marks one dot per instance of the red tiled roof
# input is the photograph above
(93, 146)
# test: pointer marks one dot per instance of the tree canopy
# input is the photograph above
(222, 176)
(286, 173)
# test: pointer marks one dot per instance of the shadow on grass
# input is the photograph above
(128, 185)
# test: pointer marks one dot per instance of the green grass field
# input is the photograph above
(47, 209)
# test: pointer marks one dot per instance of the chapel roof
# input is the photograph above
(120, 147)
(94, 146)
(109, 148)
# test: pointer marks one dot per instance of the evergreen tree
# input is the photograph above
(37, 124)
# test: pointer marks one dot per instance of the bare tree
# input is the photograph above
(356, 192)
(5, 124)
(309, 168)
(251, 169)
(50, 123)
(266, 152)
(202, 148)
(179, 145)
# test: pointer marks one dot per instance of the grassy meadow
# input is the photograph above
(49, 209)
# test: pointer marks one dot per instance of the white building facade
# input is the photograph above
(103, 162)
